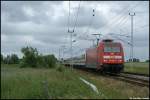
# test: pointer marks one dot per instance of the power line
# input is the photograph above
(114, 19)
(141, 27)
(110, 24)
(117, 23)
(122, 22)
(125, 10)
(124, 35)
(137, 28)
(76, 16)
(69, 17)
(90, 22)
(122, 40)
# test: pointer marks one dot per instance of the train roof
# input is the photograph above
(107, 40)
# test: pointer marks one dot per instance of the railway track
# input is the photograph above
(136, 74)
(133, 78)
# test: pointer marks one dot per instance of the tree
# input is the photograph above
(14, 59)
(7, 59)
(30, 57)
(147, 61)
(11, 59)
(2, 58)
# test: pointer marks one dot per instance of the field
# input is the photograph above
(29, 83)
(137, 67)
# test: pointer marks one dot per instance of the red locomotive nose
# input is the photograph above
(111, 53)
(113, 59)
(106, 53)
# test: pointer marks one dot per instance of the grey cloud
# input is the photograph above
(15, 11)
(47, 28)
(84, 18)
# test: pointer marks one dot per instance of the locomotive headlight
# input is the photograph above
(118, 57)
(106, 57)
(105, 60)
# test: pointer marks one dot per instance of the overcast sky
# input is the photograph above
(44, 25)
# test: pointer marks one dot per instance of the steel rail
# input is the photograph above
(132, 78)
(133, 73)
(128, 77)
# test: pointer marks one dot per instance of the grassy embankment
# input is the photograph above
(137, 67)
(29, 83)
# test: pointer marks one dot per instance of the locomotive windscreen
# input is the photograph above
(111, 47)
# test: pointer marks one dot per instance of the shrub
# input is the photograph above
(2, 58)
(51, 60)
(30, 57)
(60, 68)
(48, 61)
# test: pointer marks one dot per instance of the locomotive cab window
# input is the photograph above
(111, 49)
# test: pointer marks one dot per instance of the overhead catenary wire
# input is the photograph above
(90, 20)
(127, 42)
(125, 10)
(122, 12)
(117, 23)
(90, 23)
(132, 7)
(141, 27)
(114, 18)
(136, 28)
(123, 21)
(107, 23)
(127, 29)
(69, 17)
(76, 16)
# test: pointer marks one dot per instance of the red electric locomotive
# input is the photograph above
(107, 56)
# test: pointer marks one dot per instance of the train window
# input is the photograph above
(111, 49)
(116, 49)
(107, 49)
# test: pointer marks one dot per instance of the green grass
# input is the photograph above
(115, 89)
(27, 83)
(137, 67)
